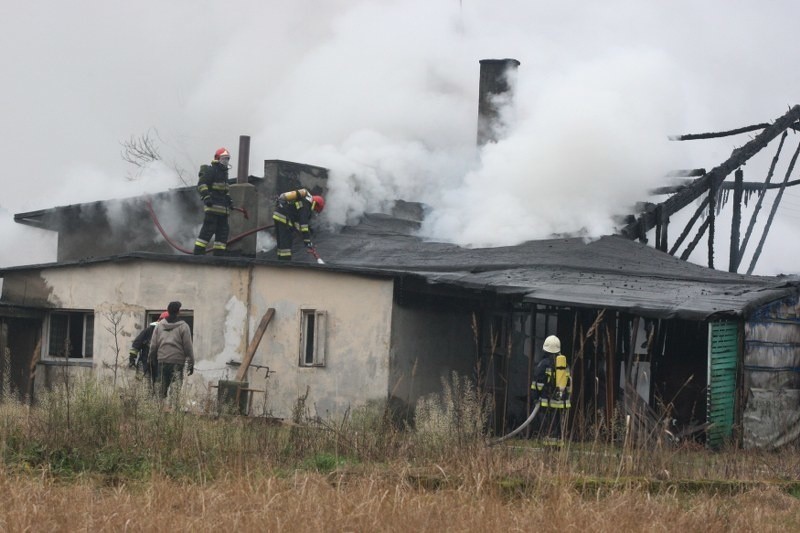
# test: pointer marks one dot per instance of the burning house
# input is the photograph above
(676, 347)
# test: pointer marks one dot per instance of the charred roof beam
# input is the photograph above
(713, 179)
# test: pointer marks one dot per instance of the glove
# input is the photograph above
(230, 201)
(207, 201)
(131, 362)
(309, 244)
(189, 369)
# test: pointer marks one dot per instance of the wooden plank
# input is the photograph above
(721, 392)
(723, 345)
(251, 349)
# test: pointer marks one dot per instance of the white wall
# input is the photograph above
(359, 321)
(228, 303)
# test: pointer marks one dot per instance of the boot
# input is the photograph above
(199, 250)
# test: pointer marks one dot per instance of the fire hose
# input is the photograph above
(232, 240)
(520, 428)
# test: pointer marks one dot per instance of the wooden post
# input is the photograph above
(611, 364)
(662, 242)
(251, 348)
(772, 212)
(761, 196)
(689, 226)
(736, 221)
(712, 208)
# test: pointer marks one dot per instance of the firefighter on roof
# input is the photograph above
(293, 211)
(552, 387)
(217, 203)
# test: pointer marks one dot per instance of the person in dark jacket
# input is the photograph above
(139, 354)
(293, 211)
(217, 203)
(552, 388)
(171, 344)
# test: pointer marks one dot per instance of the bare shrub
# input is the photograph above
(458, 416)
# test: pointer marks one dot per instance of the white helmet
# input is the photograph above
(552, 344)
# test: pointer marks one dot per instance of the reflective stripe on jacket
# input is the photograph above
(293, 208)
(213, 184)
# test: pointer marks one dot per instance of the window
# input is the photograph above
(70, 334)
(185, 315)
(312, 337)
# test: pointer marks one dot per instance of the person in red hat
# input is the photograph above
(172, 345)
(293, 210)
(139, 354)
(217, 203)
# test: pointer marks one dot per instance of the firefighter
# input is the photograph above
(552, 387)
(217, 203)
(139, 354)
(293, 211)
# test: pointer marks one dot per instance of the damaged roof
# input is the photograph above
(611, 272)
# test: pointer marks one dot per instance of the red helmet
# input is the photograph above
(318, 203)
(222, 152)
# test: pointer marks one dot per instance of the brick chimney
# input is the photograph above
(493, 82)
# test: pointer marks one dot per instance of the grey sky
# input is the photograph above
(384, 93)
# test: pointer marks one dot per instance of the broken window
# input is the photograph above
(70, 334)
(312, 337)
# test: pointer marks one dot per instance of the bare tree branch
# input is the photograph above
(144, 149)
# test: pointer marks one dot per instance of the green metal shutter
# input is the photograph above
(723, 356)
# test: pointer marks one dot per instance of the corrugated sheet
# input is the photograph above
(771, 414)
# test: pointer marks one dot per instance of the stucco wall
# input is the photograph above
(357, 350)
(227, 303)
(427, 343)
(125, 291)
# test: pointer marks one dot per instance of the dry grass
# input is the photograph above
(120, 462)
(372, 501)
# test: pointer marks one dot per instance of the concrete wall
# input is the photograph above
(119, 226)
(227, 303)
(358, 334)
(429, 342)
(105, 228)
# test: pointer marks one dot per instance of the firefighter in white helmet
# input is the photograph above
(552, 388)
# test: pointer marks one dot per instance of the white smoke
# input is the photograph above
(385, 95)
(586, 145)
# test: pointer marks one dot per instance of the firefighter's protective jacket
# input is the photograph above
(552, 382)
(213, 188)
(293, 208)
(141, 346)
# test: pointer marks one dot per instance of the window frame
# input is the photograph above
(316, 356)
(87, 327)
(187, 315)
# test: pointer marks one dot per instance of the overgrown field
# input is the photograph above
(93, 458)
